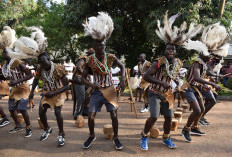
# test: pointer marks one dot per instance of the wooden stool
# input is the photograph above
(108, 131)
(40, 124)
(80, 122)
(185, 107)
(154, 132)
(179, 109)
(20, 118)
(174, 125)
(178, 116)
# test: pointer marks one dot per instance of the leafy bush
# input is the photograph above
(40, 85)
(225, 91)
(229, 83)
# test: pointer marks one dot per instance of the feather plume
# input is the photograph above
(196, 45)
(7, 37)
(175, 35)
(38, 35)
(100, 27)
(222, 51)
(167, 27)
(172, 19)
(29, 47)
(183, 27)
(194, 31)
(215, 37)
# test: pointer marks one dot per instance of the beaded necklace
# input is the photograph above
(102, 68)
(173, 73)
(49, 76)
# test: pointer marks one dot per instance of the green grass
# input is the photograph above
(225, 91)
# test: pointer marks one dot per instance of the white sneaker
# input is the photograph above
(144, 109)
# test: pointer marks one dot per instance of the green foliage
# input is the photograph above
(225, 91)
(135, 22)
(40, 84)
(229, 83)
(24, 13)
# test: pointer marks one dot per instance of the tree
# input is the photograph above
(21, 14)
(135, 22)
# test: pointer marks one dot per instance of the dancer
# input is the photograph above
(142, 68)
(99, 64)
(208, 94)
(17, 73)
(196, 82)
(4, 90)
(160, 74)
(79, 88)
(54, 87)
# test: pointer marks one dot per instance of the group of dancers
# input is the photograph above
(156, 77)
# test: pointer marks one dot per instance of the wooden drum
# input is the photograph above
(174, 125)
(154, 133)
(108, 131)
(80, 123)
(178, 116)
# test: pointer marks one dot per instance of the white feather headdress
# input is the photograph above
(7, 37)
(213, 40)
(99, 28)
(175, 35)
(29, 47)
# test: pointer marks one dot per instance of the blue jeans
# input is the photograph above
(224, 81)
(96, 102)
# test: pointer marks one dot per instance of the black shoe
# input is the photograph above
(88, 142)
(45, 134)
(60, 140)
(118, 144)
(202, 122)
(75, 117)
(186, 135)
(28, 133)
(4, 122)
(206, 122)
(197, 132)
(85, 114)
(16, 129)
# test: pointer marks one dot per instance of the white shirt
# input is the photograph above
(69, 69)
(115, 78)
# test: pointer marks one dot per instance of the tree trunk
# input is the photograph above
(222, 5)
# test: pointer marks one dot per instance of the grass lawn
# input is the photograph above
(225, 91)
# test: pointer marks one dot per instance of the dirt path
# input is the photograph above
(217, 142)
